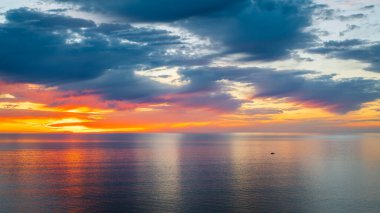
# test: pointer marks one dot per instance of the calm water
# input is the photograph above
(190, 173)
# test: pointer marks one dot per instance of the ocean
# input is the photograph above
(241, 172)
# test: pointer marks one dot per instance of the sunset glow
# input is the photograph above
(79, 70)
(34, 108)
(189, 106)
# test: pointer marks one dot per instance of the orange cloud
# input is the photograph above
(35, 108)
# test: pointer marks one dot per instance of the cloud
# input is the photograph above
(352, 17)
(368, 7)
(100, 60)
(339, 96)
(54, 49)
(262, 111)
(153, 10)
(367, 52)
(262, 29)
(121, 85)
(213, 101)
(6, 96)
(324, 12)
(45, 20)
(204, 89)
(349, 28)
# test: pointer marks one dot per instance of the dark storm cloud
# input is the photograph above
(43, 20)
(262, 29)
(48, 48)
(355, 49)
(153, 10)
(335, 95)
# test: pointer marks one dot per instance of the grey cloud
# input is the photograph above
(53, 49)
(335, 95)
(355, 49)
(368, 7)
(153, 10)
(262, 111)
(262, 29)
(352, 17)
(75, 54)
(349, 28)
(25, 16)
(122, 84)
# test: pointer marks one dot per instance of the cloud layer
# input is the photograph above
(338, 96)
(263, 30)
(79, 56)
(355, 49)
(48, 48)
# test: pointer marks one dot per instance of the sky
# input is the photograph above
(189, 66)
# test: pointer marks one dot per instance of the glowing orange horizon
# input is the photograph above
(30, 108)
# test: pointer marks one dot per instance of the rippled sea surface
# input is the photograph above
(190, 173)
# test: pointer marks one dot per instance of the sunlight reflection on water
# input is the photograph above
(190, 173)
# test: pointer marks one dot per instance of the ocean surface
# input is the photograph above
(190, 173)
